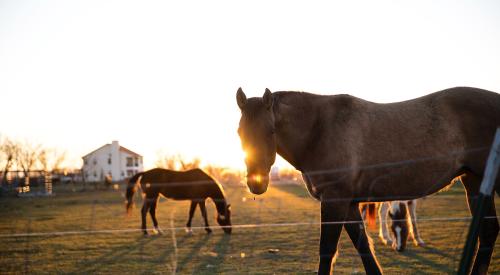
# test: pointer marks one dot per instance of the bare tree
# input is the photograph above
(189, 164)
(176, 162)
(28, 156)
(58, 159)
(51, 159)
(9, 151)
(166, 161)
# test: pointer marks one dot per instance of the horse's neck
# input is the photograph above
(219, 200)
(292, 134)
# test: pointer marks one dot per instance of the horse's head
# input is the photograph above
(399, 226)
(224, 219)
(256, 131)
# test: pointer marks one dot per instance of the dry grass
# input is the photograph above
(245, 251)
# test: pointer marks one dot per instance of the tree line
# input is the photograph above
(27, 156)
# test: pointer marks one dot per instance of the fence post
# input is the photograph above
(485, 192)
(48, 183)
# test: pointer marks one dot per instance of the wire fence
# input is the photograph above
(276, 232)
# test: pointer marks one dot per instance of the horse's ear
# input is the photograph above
(268, 98)
(241, 98)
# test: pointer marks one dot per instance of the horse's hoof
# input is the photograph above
(421, 244)
(209, 231)
(158, 231)
(189, 231)
(386, 241)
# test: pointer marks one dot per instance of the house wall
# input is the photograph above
(130, 170)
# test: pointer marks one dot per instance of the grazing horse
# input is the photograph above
(192, 185)
(350, 150)
(403, 222)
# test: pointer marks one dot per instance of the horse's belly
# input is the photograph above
(405, 182)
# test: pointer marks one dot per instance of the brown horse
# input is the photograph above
(350, 150)
(194, 185)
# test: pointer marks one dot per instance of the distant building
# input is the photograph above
(111, 160)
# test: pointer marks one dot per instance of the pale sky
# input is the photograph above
(162, 75)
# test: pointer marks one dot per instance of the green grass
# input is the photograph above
(245, 251)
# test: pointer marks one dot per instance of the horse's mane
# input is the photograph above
(294, 95)
(298, 98)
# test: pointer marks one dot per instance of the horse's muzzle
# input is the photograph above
(258, 184)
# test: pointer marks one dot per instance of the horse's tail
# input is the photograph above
(131, 188)
(371, 215)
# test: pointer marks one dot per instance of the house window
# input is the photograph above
(130, 173)
(130, 162)
(136, 161)
(85, 162)
(95, 161)
(109, 159)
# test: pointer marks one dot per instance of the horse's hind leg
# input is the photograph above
(204, 213)
(192, 208)
(412, 211)
(152, 212)
(489, 228)
(356, 230)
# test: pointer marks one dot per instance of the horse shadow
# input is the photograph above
(179, 243)
(192, 252)
(215, 263)
(93, 266)
(419, 256)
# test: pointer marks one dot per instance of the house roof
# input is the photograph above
(122, 149)
(95, 150)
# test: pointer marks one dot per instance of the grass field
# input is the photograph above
(83, 246)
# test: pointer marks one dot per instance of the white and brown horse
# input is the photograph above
(350, 150)
(402, 226)
(397, 222)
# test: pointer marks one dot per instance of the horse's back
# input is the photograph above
(178, 185)
(459, 118)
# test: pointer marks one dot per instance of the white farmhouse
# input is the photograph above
(111, 160)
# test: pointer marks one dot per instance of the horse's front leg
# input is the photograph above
(144, 212)
(192, 208)
(356, 230)
(383, 233)
(204, 213)
(333, 213)
(412, 211)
